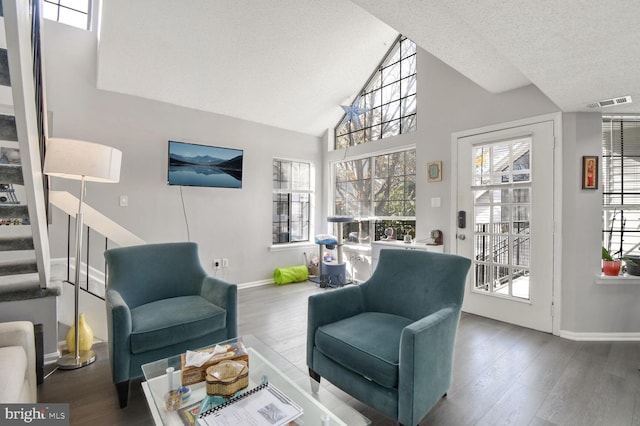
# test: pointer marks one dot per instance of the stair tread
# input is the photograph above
(14, 211)
(18, 267)
(17, 261)
(16, 243)
(27, 290)
(11, 173)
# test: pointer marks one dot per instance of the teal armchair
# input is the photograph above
(160, 302)
(389, 341)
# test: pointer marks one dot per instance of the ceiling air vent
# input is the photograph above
(611, 102)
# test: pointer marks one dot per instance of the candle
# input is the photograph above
(170, 378)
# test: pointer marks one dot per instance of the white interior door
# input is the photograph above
(505, 189)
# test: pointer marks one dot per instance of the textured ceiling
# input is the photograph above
(575, 51)
(285, 63)
(291, 63)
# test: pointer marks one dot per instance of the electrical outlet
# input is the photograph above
(217, 263)
(225, 263)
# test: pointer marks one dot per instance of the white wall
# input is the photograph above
(226, 223)
(237, 223)
(447, 103)
(589, 309)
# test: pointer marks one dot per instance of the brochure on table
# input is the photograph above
(264, 405)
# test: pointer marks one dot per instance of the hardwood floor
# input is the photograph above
(503, 374)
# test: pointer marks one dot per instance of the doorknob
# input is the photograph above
(460, 236)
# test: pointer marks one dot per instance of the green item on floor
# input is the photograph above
(292, 274)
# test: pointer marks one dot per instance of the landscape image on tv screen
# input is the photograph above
(203, 165)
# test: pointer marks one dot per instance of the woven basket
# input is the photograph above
(227, 377)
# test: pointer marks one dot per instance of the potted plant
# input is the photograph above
(633, 265)
(611, 265)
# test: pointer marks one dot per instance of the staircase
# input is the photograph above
(26, 292)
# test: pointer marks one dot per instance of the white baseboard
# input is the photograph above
(98, 276)
(600, 337)
(94, 274)
(51, 358)
(255, 284)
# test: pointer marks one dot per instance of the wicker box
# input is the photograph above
(227, 377)
(191, 374)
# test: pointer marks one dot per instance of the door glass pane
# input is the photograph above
(521, 251)
(482, 277)
(502, 217)
(520, 283)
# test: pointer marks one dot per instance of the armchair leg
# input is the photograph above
(314, 380)
(123, 393)
(315, 376)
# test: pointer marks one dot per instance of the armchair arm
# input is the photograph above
(426, 361)
(224, 294)
(20, 333)
(332, 306)
(119, 328)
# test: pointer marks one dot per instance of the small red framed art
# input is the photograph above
(589, 172)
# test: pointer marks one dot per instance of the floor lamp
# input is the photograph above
(86, 162)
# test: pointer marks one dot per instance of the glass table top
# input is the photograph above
(320, 406)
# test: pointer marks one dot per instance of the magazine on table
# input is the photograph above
(264, 405)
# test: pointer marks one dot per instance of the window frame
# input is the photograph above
(371, 86)
(290, 191)
(59, 6)
(376, 221)
(609, 171)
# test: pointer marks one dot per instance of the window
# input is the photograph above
(70, 12)
(390, 98)
(621, 184)
(502, 185)
(380, 192)
(292, 197)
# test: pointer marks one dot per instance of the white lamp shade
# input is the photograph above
(73, 159)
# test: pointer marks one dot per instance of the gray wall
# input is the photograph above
(236, 223)
(588, 307)
(226, 223)
(447, 103)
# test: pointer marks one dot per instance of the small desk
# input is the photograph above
(316, 400)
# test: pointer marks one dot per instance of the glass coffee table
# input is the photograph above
(320, 406)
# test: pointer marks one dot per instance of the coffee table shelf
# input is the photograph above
(318, 402)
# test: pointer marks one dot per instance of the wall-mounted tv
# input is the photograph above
(202, 165)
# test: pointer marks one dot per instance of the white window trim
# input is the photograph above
(368, 154)
(312, 205)
(620, 279)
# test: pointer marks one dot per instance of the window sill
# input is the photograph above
(292, 246)
(620, 279)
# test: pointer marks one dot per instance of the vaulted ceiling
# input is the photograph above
(292, 63)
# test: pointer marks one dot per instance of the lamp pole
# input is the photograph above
(78, 358)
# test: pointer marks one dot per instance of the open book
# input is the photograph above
(263, 405)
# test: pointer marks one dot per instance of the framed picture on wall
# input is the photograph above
(589, 172)
(434, 171)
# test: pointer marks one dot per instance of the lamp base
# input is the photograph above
(69, 361)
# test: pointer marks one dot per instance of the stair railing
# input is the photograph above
(22, 25)
(111, 232)
(40, 92)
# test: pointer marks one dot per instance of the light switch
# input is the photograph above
(124, 201)
(435, 202)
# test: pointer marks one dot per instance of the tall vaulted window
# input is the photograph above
(389, 97)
